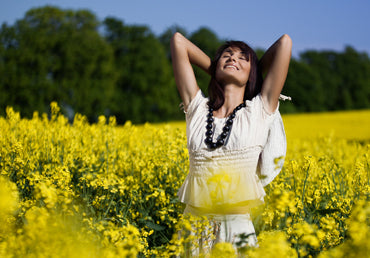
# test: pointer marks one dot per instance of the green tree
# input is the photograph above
(208, 41)
(57, 55)
(304, 86)
(354, 88)
(165, 38)
(145, 89)
(344, 78)
(323, 63)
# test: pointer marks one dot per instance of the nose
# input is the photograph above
(232, 58)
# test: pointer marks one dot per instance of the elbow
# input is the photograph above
(176, 40)
(286, 37)
(177, 35)
(286, 43)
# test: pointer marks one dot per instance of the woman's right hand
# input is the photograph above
(184, 53)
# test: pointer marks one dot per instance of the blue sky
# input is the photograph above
(314, 24)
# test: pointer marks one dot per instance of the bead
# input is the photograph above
(225, 130)
(208, 140)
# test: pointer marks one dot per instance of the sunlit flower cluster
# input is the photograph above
(103, 190)
(313, 197)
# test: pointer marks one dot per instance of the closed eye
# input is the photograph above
(243, 57)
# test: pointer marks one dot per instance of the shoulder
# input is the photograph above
(258, 108)
(198, 100)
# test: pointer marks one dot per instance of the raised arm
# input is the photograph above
(184, 53)
(275, 63)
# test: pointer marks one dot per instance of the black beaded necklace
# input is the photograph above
(225, 130)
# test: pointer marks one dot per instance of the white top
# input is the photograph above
(226, 175)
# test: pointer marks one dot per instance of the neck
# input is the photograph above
(233, 97)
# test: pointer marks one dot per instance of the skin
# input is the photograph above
(233, 72)
(233, 66)
(274, 63)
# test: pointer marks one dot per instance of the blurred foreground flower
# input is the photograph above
(358, 244)
(271, 245)
(8, 206)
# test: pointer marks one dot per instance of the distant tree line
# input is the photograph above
(113, 69)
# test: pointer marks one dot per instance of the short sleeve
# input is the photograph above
(259, 110)
(194, 103)
(271, 126)
(267, 114)
(272, 157)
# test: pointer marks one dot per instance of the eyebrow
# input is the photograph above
(229, 50)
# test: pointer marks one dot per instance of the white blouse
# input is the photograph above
(228, 175)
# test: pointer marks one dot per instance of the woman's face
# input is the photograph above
(233, 67)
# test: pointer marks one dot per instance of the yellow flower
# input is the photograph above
(80, 188)
(8, 197)
(271, 244)
(223, 250)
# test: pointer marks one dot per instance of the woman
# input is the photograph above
(228, 132)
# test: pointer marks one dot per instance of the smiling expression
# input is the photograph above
(233, 67)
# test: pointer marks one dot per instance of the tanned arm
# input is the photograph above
(184, 53)
(275, 63)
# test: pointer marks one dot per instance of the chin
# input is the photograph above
(227, 78)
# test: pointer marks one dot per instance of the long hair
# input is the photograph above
(254, 84)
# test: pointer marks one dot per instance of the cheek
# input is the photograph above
(247, 73)
(218, 70)
(218, 66)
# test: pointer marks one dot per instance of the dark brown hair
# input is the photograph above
(254, 84)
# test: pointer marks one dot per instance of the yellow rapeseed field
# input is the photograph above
(102, 190)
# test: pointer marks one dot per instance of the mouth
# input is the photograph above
(231, 66)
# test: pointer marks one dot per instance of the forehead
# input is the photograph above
(235, 50)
